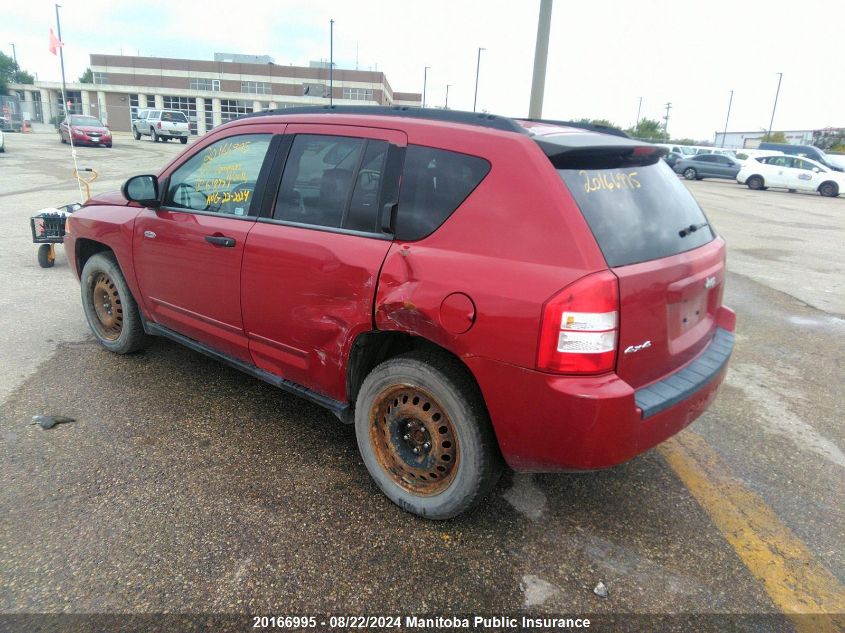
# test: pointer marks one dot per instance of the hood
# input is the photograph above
(114, 198)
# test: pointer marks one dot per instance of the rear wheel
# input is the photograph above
(690, 173)
(425, 436)
(755, 182)
(184, 140)
(110, 309)
(154, 135)
(829, 189)
(46, 256)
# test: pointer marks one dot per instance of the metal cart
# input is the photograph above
(48, 225)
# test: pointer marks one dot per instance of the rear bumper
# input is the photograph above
(583, 423)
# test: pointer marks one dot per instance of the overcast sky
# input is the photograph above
(603, 56)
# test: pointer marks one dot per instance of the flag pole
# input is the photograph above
(64, 103)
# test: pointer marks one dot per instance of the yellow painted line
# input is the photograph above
(799, 585)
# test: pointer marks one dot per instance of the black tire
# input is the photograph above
(437, 395)
(691, 174)
(46, 259)
(118, 329)
(792, 191)
(755, 182)
(829, 189)
(136, 133)
(154, 135)
(184, 140)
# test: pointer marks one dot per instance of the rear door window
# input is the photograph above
(637, 213)
(434, 183)
(332, 181)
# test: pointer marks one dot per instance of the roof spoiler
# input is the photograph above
(586, 151)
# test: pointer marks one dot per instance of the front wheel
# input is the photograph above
(425, 436)
(755, 182)
(110, 309)
(690, 173)
(184, 140)
(829, 190)
(136, 134)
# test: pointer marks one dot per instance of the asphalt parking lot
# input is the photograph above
(185, 486)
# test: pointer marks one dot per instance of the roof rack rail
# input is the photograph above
(592, 127)
(429, 114)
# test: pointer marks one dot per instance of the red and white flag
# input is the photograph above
(54, 42)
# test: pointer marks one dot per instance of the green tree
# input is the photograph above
(10, 72)
(685, 141)
(603, 122)
(774, 137)
(648, 130)
(87, 77)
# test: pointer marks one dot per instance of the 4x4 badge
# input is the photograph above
(710, 282)
(636, 348)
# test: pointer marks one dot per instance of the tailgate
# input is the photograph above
(668, 311)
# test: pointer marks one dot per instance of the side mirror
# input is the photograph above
(816, 169)
(143, 190)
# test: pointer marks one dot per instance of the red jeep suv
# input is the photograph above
(468, 290)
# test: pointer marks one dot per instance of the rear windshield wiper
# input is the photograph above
(692, 228)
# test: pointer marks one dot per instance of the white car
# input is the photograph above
(792, 173)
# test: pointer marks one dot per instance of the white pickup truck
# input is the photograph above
(161, 125)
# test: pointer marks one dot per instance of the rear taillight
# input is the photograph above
(158, 125)
(578, 330)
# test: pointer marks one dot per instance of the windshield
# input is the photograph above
(638, 213)
(85, 120)
(176, 117)
(688, 151)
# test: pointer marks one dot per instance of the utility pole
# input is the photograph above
(541, 58)
(446, 105)
(639, 109)
(774, 107)
(331, 61)
(666, 117)
(14, 53)
(425, 80)
(477, 69)
(727, 118)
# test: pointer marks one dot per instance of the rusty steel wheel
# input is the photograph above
(414, 440)
(107, 306)
(425, 435)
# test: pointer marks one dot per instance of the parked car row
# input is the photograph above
(765, 169)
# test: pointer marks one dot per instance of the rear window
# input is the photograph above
(434, 183)
(176, 117)
(637, 213)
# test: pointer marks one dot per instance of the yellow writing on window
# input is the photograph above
(603, 181)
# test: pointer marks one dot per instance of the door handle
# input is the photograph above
(150, 234)
(220, 240)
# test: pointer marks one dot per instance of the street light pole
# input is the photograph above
(727, 118)
(331, 61)
(639, 109)
(774, 107)
(14, 53)
(446, 105)
(541, 58)
(425, 81)
(477, 69)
